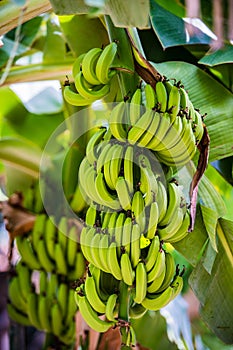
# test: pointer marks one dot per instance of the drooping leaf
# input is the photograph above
(171, 29)
(215, 290)
(210, 218)
(221, 56)
(175, 7)
(210, 97)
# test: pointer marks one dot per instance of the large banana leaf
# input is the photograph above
(210, 97)
(215, 290)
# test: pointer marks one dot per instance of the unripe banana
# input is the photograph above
(44, 313)
(113, 263)
(118, 121)
(27, 253)
(140, 126)
(60, 261)
(110, 307)
(89, 315)
(157, 301)
(89, 65)
(161, 94)
(38, 230)
(135, 107)
(104, 63)
(141, 283)
(174, 102)
(128, 168)
(33, 304)
(92, 149)
(123, 193)
(74, 98)
(127, 271)
(43, 257)
(150, 96)
(92, 295)
(17, 316)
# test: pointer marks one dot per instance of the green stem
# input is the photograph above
(123, 314)
(128, 81)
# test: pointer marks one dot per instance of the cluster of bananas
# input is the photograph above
(48, 305)
(52, 249)
(92, 75)
(166, 123)
(132, 211)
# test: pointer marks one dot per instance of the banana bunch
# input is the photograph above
(31, 198)
(162, 120)
(92, 73)
(52, 249)
(50, 306)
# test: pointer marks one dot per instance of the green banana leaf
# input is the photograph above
(171, 29)
(215, 290)
(82, 32)
(55, 46)
(221, 56)
(174, 6)
(210, 97)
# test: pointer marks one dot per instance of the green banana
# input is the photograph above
(45, 261)
(167, 232)
(135, 250)
(24, 276)
(32, 310)
(71, 308)
(123, 193)
(72, 246)
(158, 267)
(173, 103)
(118, 232)
(104, 63)
(141, 283)
(113, 263)
(88, 92)
(153, 217)
(174, 198)
(115, 164)
(135, 107)
(161, 94)
(103, 252)
(92, 295)
(38, 230)
(63, 233)
(105, 148)
(79, 267)
(56, 319)
(170, 272)
(136, 311)
(43, 282)
(111, 305)
(152, 254)
(75, 99)
(150, 96)
(157, 282)
(95, 250)
(183, 230)
(44, 313)
(60, 260)
(126, 234)
(16, 296)
(162, 200)
(90, 316)
(184, 100)
(118, 121)
(107, 199)
(17, 316)
(50, 236)
(77, 65)
(127, 271)
(149, 133)
(92, 149)
(164, 125)
(137, 208)
(157, 301)
(140, 126)
(62, 298)
(27, 253)
(89, 65)
(128, 164)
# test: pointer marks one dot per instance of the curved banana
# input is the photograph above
(119, 232)
(89, 315)
(126, 234)
(50, 236)
(140, 126)
(140, 283)
(162, 200)
(56, 319)
(88, 92)
(77, 65)
(115, 164)
(150, 132)
(118, 122)
(72, 246)
(60, 260)
(157, 282)
(183, 230)
(173, 103)
(78, 268)
(92, 295)
(45, 261)
(184, 100)
(161, 131)
(105, 148)
(135, 250)
(138, 209)
(15, 294)
(75, 99)
(107, 199)
(104, 63)
(135, 107)
(95, 250)
(24, 276)
(128, 165)
(150, 96)
(44, 313)
(157, 301)
(123, 193)
(62, 297)
(136, 311)
(113, 263)
(153, 220)
(71, 308)
(161, 94)
(158, 267)
(89, 65)
(174, 198)
(111, 305)
(38, 230)
(170, 272)
(32, 310)
(92, 149)
(17, 316)
(152, 254)
(168, 231)
(62, 234)
(127, 271)
(27, 253)
(103, 252)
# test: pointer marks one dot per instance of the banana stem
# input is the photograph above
(128, 81)
(123, 315)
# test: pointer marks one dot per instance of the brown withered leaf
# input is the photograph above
(143, 67)
(203, 148)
